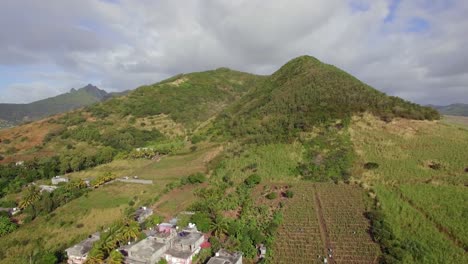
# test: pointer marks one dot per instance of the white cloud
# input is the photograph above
(123, 45)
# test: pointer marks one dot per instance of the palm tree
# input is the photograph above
(219, 226)
(110, 238)
(32, 195)
(130, 230)
(115, 257)
(95, 256)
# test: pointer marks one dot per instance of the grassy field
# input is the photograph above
(100, 207)
(422, 240)
(271, 162)
(445, 205)
(321, 217)
(420, 184)
(459, 120)
(406, 149)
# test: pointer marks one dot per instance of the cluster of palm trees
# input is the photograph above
(105, 250)
(103, 179)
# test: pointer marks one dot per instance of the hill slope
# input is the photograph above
(305, 93)
(453, 109)
(87, 95)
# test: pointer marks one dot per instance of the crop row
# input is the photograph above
(343, 209)
(298, 239)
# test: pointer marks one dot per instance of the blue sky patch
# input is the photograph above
(417, 24)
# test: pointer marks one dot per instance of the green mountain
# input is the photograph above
(453, 109)
(17, 113)
(305, 93)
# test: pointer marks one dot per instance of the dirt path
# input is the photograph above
(323, 227)
(442, 229)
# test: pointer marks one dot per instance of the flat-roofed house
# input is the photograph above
(58, 179)
(79, 252)
(226, 257)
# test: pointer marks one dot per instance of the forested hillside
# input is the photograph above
(305, 93)
(17, 113)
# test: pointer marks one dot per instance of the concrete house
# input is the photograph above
(79, 252)
(185, 246)
(142, 214)
(165, 243)
(47, 188)
(226, 257)
(147, 251)
(58, 179)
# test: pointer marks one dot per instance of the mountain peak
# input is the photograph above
(300, 65)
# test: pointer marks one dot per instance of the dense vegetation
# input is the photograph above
(187, 99)
(306, 93)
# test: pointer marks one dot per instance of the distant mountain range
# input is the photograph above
(12, 114)
(453, 109)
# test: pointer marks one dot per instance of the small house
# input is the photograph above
(226, 257)
(184, 247)
(142, 214)
(47, 188)
(79, 252)
(147, 251)
(262, 250)
(58, 179)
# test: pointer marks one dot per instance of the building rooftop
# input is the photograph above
(145, 248)
(225, 257)
(84, 246)
(179, 253)
(187, 238)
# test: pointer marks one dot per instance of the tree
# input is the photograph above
(202, 221)
(130, 230)
(115, 257)
(252, 180)
(219, 226)
(6, 226)
(95, 256)
(32, 195)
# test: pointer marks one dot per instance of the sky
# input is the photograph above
(415, 49)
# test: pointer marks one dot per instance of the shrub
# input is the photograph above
(1, 157)
(11, 150)
(272, 196)
(80, 225)
(196, 178)
(6, 141)
(202, 220)
(371, 165)
(435, 165)
(197, 138)
(252, 180)
(289, 194)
